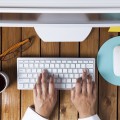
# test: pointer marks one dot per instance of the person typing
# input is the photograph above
(83, 96)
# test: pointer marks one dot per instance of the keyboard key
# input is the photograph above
(91, 62)
(76, 76)
(62, 65)
(39, 70)
(28, 70)
(54, 70)
(58, 80)
(31, 65)
(26, 86)
(52, 61)
(26, 65)
(67, 65)
(89, 65)
(57, 66)
(69, 70)
(63, 80)
(31, 61)
(85, 61)
(74, 80)
(82, 66)
(61, 75)
(49, 70)
(31, 86)
(34, 71)
(64, 70)
(68, 86)
(35, 76)
(41, 65)
(66, 76)
(20, 65)
(51, 65)
(29, 75)
(60, 86)
(77, 65)
(74, 61)
(20, 86)
(72, 65)
(80, 71)
(59, 70)
(32, 81)
(21, 70)
(71, 75)
(23, 80)
(63, 61)
(47, 61)
(68, 80)
(46, 66)
(75, 71)
(58, 61)
(36, 65)
(80, 62)
(22, 75)
(91, 71)
(69, 61)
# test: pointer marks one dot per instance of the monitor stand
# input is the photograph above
(62, 32)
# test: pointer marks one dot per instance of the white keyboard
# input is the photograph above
(65, 70)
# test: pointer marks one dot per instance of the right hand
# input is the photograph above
(83, 96)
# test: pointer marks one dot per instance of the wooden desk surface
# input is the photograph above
(13, 102)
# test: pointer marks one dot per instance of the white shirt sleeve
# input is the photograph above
(94, 117)
(30, 114)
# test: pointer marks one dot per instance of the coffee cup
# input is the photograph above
(4, 81)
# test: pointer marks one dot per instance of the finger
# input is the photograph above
(89, 85)
(39, 79)
(38, 89)
(94, 89)
(84, 75)
(72, 94)
(78, 86)
(34, 91)
(44, 75)
(51, 86)
(84, 87)
(44, 83)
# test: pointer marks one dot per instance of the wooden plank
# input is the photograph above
(0, 70)
(107, 92)
(33, 51)
(51, 50)
(11, 97)
(89, 48)
(67, 110)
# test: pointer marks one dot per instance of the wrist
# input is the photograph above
(85, 115)
(42, 113)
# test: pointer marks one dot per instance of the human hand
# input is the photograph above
(83, 96)
(45, 95)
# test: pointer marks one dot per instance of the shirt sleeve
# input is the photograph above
(94, 117)
(30, 114)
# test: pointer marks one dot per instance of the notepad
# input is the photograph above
(114, 29)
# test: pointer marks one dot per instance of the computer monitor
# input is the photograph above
(60, 20)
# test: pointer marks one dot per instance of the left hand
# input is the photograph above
(45, 95)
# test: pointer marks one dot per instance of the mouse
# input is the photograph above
(116, 61)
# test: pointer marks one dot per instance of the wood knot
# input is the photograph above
(107, 101)
(63, 109)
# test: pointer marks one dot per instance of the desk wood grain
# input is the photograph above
(13, 103)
